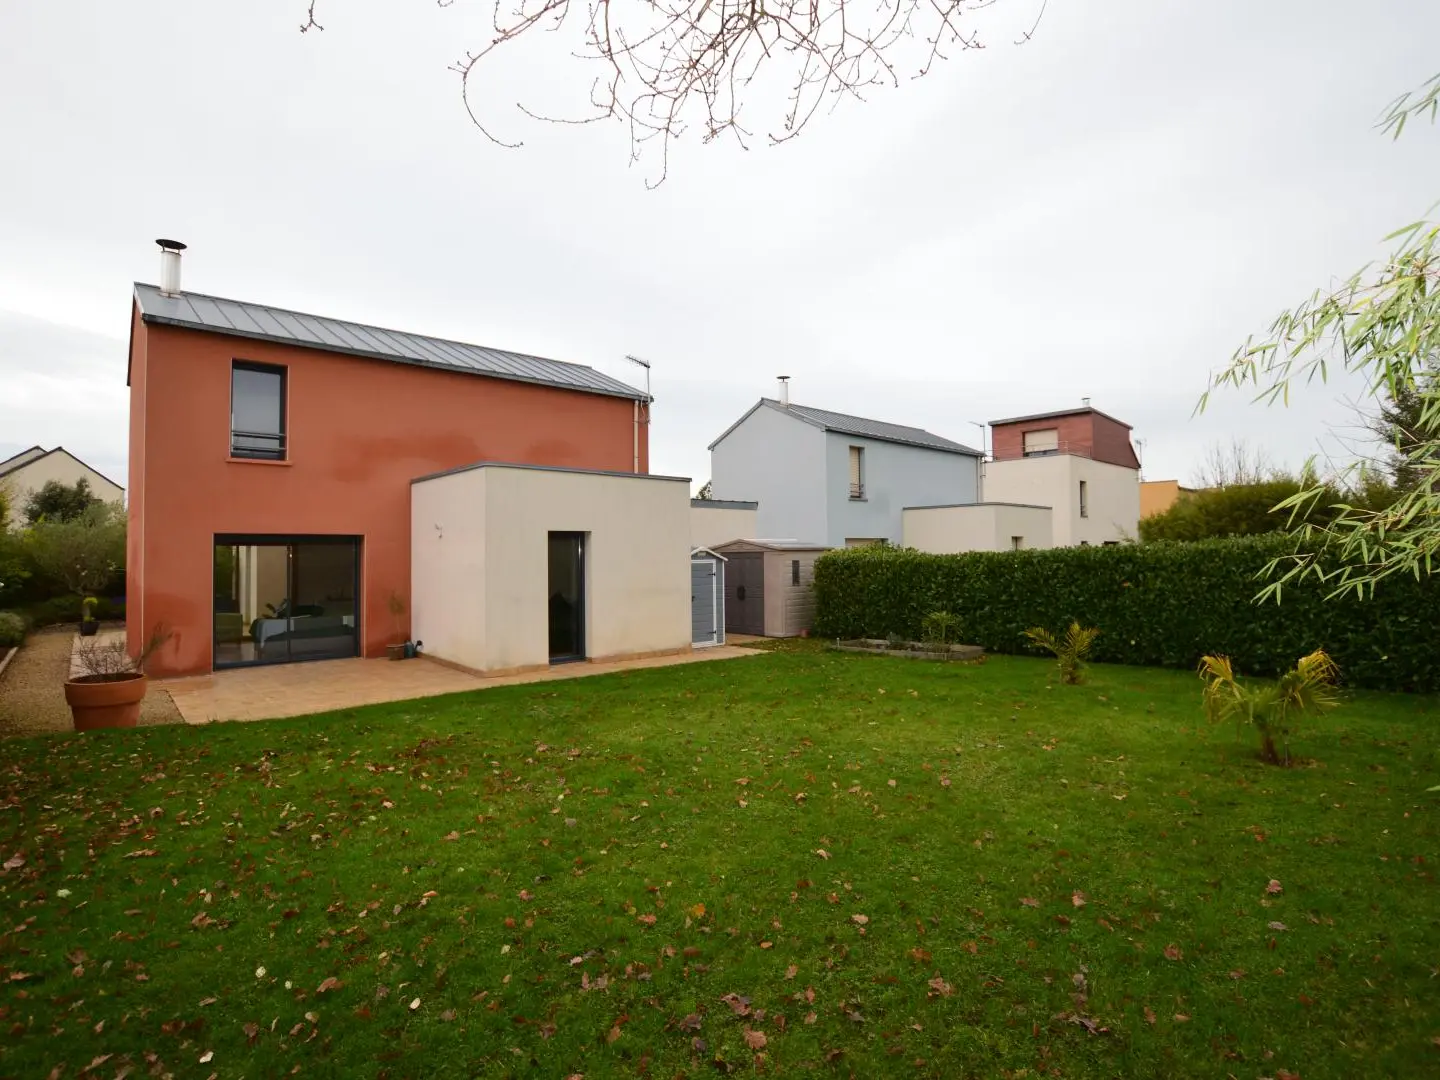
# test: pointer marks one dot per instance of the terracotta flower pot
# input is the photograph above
(395, 652)
(105, 703)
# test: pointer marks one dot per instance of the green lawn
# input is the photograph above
(803, 861)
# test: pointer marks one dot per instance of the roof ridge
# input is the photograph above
(367, 326)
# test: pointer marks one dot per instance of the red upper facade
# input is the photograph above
(364, 411)
(1085, 432)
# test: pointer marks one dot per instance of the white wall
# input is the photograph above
(778, 461)
(493, 527)
(447, 566)
(944, 530)
(1113, 495)
(61, 466)
(895, 476)
(711, 525)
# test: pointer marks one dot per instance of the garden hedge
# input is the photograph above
(1156, 604)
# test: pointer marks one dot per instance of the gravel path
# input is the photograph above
(32, 690)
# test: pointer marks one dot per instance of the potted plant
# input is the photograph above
(112, 683)
(397, 650)
(89, 625)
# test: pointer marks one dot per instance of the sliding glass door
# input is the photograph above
(279, 599)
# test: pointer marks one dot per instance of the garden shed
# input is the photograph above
(707, 598)
(768, 586)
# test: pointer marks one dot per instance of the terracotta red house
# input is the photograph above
(272, 455)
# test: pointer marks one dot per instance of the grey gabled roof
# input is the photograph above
(196, 311)
(845, 424)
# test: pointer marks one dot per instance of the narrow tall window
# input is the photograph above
(1084, 499)
(794, 571)
(257, 411)
(857, 472)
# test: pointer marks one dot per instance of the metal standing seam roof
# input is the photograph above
(845, 424)
(196, 311)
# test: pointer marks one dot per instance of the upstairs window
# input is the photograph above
(794, 571)
(857, 472)
(1084, 499)
(257, 411)
(1040, 443)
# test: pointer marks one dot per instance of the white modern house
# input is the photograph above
(1069, 478)
(30, 470)
(835, 479)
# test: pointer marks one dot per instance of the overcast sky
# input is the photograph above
(1106, 211)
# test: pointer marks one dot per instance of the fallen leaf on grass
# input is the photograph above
(740, 1006)
(860, 920)
(810, 1018)
(1172, 952)
(696, 912)
(648, 920)
(526, 894)
(1029, 901)
(1274, 888)
(252, 1032)
(940, 986)
(690, 1023)
(791, 971)
(14, 862)
(207, 1001)
(451, 835)
(1182, 1018)
(1286, 1074)
(1077, 898)
(755, 1040)
(331, 983)
(207, 1057)
(1149, 1015)
(822, 853)
(612, 1034)
(415, 1004)
(1277, 926)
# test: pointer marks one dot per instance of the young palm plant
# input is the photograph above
(1071, 650)
(1273, 709)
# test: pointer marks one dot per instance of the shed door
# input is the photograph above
(705, 602)
(745, 593)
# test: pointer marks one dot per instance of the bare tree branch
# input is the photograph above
(670, 66)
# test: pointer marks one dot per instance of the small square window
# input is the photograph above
(1017, 543)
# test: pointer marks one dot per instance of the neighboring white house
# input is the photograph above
(717, 521)
(836, 479)
(30, 470)
(986, 526)
(1079, 462)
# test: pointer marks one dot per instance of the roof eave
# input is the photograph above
(184, 324)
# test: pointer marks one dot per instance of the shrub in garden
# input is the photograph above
(12, 629)
(1275, 709)
(940, 628)
(1161, 604)
(1070, 651)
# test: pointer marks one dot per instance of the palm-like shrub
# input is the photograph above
(940, 628)
(1070, 651)
(1275, 709)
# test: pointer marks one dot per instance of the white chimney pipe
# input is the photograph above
(785, 390)
(170, 266)
(1085, 401)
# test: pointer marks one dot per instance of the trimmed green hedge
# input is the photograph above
(1160, 604)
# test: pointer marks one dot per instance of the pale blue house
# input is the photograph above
(833, 478)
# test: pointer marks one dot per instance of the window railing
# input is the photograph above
(1074, 448)
(264, 445)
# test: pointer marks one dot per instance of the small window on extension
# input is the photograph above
(257, 411)
(1017, 543)
(794, 571)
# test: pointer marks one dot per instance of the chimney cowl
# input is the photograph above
(784, 390)
(170, 266)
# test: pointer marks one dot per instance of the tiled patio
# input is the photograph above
(264, 693)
